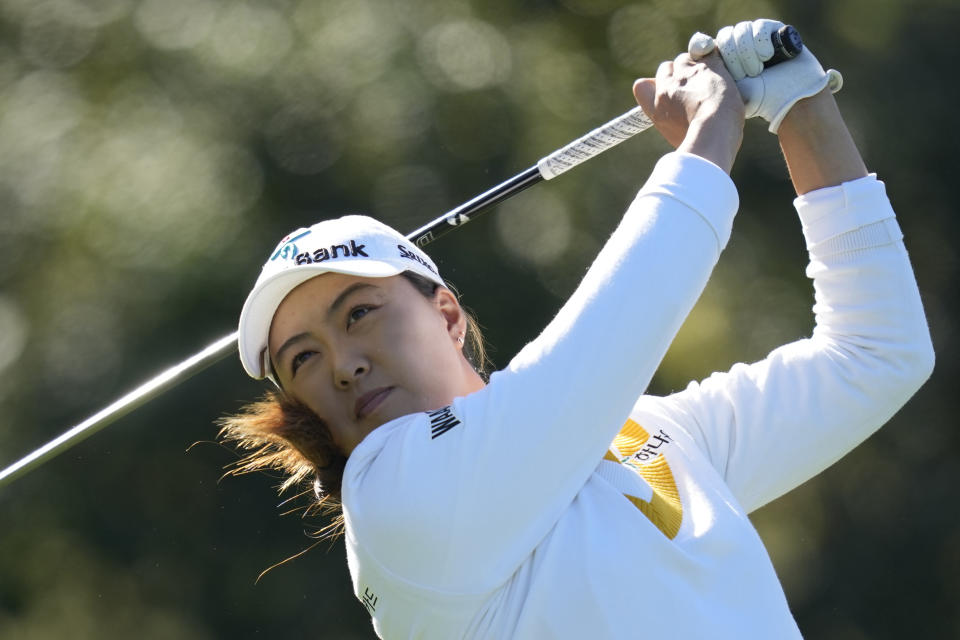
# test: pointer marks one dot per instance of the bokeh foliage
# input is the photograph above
(153, 151)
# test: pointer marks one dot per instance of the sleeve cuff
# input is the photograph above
(832, 211)
(700, 185)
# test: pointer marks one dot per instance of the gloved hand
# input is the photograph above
(771, 92)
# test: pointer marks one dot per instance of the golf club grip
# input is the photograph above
(594, 143)
(787, 44)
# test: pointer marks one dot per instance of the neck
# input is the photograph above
(471, 380)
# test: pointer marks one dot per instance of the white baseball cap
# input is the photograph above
(356, 245)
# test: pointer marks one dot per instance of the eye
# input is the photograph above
(358, 312)
(299, 359)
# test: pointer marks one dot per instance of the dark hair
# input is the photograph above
(280, 433)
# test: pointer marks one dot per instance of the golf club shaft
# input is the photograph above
(580, 150)
(787, 44)
(139, 396)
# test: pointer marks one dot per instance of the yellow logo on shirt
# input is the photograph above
(633, 447)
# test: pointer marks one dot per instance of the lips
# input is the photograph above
(368, 402)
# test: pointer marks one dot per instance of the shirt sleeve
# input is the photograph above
(462, 505)
(769, 426)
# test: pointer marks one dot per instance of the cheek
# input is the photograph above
(424, 350)
(314, 388)
(310, 392)
(325, 407)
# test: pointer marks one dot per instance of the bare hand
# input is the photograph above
(696, 106)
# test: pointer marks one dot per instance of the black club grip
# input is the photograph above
(787, 44)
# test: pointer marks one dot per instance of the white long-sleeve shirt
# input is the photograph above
(555, 504)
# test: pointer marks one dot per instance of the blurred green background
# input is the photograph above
(153, 151)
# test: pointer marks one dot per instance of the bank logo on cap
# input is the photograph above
(287, 247)
(335, 251)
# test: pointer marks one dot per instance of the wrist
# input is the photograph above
(818, 147)
(818, 111)
(716, 135)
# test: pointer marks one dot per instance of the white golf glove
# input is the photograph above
(768, 93)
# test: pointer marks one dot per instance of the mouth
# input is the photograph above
(368, 402)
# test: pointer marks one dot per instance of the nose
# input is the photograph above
(349, 369)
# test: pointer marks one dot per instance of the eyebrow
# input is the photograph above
(289, 343)
(334, 306)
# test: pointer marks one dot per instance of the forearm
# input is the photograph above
(817, 145)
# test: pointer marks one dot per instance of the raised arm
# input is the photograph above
(771, 425)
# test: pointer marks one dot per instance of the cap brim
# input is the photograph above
(260, 306)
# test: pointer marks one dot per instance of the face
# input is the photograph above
(359, 352)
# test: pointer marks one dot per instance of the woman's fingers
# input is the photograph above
(747, 49)
(664, 71)
(714, 62)
(727, 45)
(700, 45)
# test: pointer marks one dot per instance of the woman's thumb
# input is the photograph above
(645, 90)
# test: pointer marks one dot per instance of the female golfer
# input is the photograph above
(556, 500)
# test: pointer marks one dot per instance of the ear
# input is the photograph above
(456, 320)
